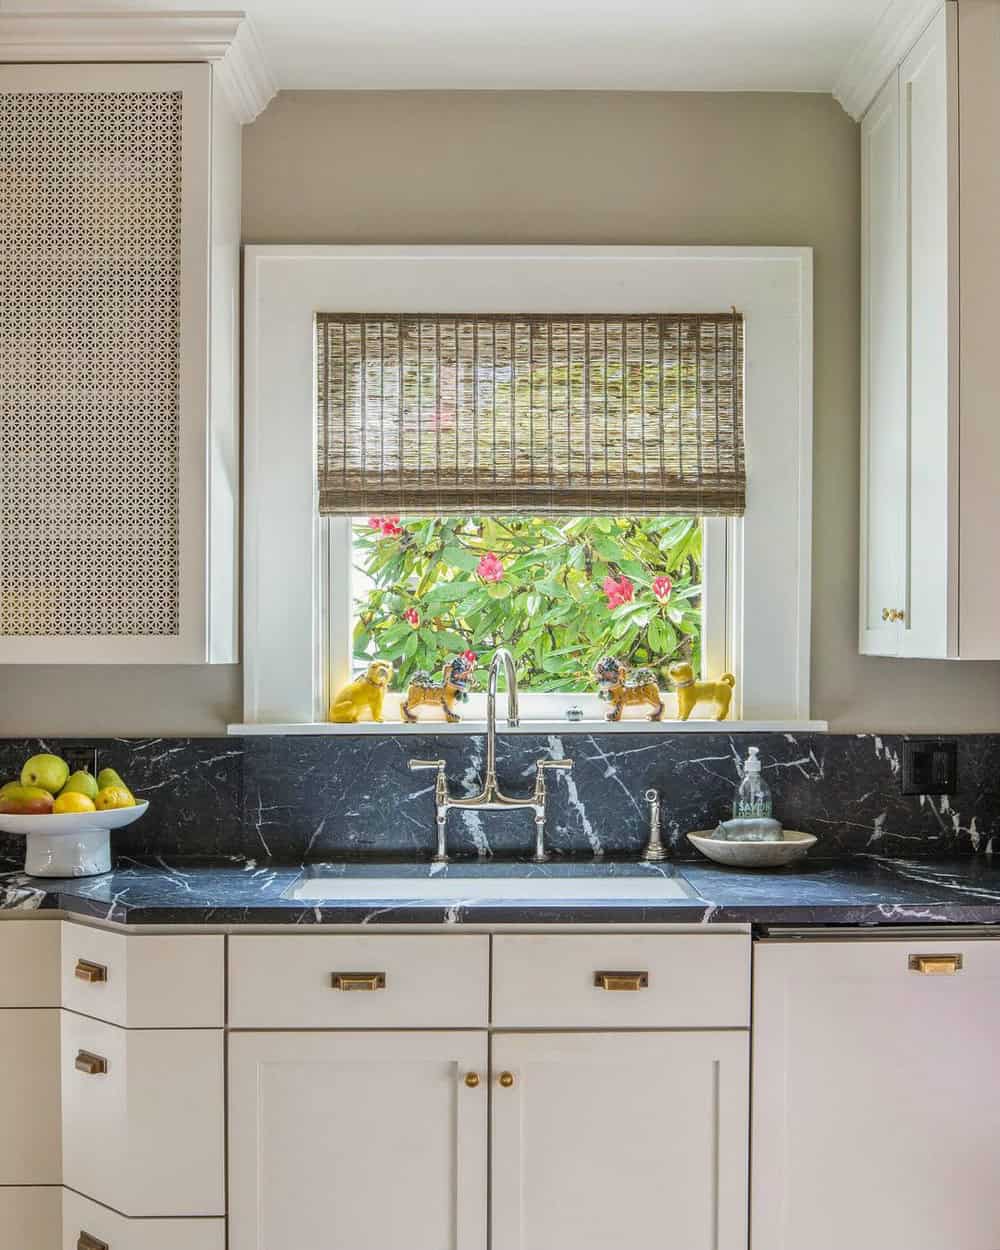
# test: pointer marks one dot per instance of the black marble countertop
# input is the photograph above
(866, 890)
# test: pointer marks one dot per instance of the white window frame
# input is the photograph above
(296, 624)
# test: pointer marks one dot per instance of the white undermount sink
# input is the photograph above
(637, 883)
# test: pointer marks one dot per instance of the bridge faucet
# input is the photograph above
(491, 798)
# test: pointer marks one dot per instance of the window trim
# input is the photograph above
(287, 285)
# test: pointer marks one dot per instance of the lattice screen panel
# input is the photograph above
(90, 226)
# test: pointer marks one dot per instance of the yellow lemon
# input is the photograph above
(112, 797)
(73, 802)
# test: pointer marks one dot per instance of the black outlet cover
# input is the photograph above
(930, 766)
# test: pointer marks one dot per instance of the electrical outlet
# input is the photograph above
(79, 755)
(929, 766)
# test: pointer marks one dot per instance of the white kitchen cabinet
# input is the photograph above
(636, 1140)
(143, 1117)
(119, 353)
(87, 1225)
(930, 443)
(876, 1119)
(357, 1141)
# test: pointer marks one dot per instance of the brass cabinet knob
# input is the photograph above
(90, 972)
(472, 1079)
(90, 1064)
(886, 614)
(506, 1079)
(87, 1241)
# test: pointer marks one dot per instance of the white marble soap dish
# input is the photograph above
(733, 854)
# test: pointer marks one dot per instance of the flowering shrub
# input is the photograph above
(559, 593)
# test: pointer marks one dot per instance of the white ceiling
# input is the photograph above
(642, 45)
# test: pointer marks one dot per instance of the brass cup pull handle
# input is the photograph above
(90, 972)
(358, 980)
(472, 1080)
(506, 1079)
(621, 980)
(87, 1241)
(90, 1064)
(936, 965)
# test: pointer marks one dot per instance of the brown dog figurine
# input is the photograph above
(690, 692)
(444, 694)
(368, 692)
(622, 689)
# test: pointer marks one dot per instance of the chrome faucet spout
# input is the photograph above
(501, 656)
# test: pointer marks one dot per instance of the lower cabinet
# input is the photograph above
(378, 1141)
(143, 1117)
(88, 1226)
(358, 1141)
(876, 1105)
(635, 1140)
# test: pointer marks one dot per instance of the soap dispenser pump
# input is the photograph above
(753, 796)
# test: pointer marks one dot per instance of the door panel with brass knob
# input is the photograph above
(636, 1140)
(358, 1140)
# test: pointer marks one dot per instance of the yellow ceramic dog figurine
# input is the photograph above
(690, 692)
(367, 692)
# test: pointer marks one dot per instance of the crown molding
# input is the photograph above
(897, 30)
(224, 39)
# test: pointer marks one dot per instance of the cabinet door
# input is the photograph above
(883, 378)
(876, 1117)
(357, 1141)
(30, 1217)
(636, 1140)
(929, 147)
(126, 489)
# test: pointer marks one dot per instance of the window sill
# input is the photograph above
(537, 727)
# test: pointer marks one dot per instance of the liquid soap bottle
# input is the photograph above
(753, 796)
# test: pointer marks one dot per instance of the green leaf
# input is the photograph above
(460, 558)
(498, 590)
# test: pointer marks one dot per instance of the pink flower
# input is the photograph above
(490, 568)
(617, 592)
(470, 657)
(662, 586)
(388, 526)
(413, 616)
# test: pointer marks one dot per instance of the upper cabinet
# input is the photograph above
(120, 212)
(930, 441)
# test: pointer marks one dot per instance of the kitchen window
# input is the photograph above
(561, 482)
(588, 450)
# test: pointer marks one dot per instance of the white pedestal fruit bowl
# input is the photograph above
(69, 844)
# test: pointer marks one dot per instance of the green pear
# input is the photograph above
(81, 782)
(47, 772)
(108, 777)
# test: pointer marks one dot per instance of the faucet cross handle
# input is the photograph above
(440, 803)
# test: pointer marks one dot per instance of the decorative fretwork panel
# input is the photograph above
(90, 231)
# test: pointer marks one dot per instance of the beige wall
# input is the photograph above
(573, 167)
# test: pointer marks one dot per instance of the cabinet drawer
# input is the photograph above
(29, 1217)
(622, 980)
(29, 1122)
(89, 1226)
(144, 982)
(359, 982)
(143, 1117)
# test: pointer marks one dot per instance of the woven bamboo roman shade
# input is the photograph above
(532, 414)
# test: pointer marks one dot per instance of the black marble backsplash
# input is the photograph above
(328, 797)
